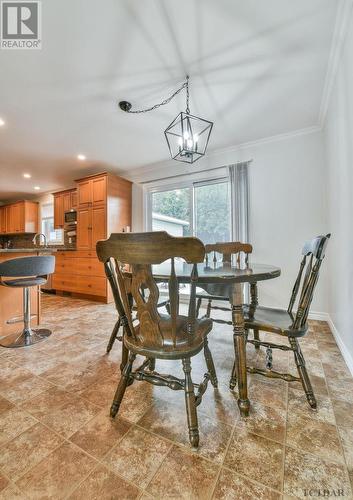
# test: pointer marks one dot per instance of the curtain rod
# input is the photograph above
(197, 172)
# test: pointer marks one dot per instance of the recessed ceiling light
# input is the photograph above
(37, 188)
(27, 176)
(2, 122)
(81, 157)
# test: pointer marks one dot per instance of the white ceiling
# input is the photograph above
(257, 69)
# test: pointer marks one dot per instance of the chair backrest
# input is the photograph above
(139, 251)
(228, 249)
(313, 254)
(39, 265)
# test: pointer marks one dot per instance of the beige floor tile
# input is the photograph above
(103, 484)
(137, 456)
(256, 457)
(61, 411)
(298, 405)
(304, 472)
(102, 392)
(12, 493)
(3, 482)
(5, 404)
(169, 420)
(13, 422)
(266, 421)
(231, 486)
(58, 474)
(100, 434)
(343, 411)
(183, 475)
(346, 435)
(319, 438)
(26, 450)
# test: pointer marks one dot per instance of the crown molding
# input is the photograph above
(344, 12)
(136, 173)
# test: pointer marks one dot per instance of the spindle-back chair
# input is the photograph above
(293, 322)
(128, 259)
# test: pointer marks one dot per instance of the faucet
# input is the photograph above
(40, 234)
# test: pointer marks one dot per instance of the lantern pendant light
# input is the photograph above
(188, 135)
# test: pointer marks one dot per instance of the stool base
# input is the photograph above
(25, 338)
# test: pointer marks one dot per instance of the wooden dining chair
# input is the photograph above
(292, 323)
(232, 253)
(155, 335)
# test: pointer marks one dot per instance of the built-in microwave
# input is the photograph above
(70, 217)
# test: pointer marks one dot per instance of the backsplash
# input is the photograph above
(25, 241)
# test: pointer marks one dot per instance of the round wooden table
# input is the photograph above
(226, 281)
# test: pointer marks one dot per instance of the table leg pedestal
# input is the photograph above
(239, 338)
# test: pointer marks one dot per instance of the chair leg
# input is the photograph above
(302, 371)
(190, 403)
(113, 336)
(233, 377)
(209, 307)
(210, 364)
(198, 305)
(256, 337)
(152, 364)
(123, 383)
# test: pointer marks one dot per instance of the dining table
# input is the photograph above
(226, 280)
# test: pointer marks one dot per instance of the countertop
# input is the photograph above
(34, 249)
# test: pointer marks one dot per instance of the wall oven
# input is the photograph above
(70, 218)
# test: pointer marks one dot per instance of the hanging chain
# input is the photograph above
(166, 101)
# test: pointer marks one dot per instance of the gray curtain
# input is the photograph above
(239, 185)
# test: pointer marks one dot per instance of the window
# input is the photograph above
(54, 236)
(201, 209)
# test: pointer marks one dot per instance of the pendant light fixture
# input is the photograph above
(188, 135)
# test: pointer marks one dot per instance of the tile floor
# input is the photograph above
(57, 440)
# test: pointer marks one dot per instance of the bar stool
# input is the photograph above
(26, 272)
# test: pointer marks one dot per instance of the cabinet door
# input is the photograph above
(84, 229)
(74, 199)
(99, 190)
(2, 220)
(98, 225)
(14, 218)
(66, 201)
(84, 192)
(58, 211)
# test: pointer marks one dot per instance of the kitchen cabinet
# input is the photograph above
(19, 218)
(103, 207)
(64, 201)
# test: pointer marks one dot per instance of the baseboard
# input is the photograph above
(319, 316)
(341, 345)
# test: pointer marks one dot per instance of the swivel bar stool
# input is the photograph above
(26, 272)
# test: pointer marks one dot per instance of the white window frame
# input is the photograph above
(191, 183)
(49, 241)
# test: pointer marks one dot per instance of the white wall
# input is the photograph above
(287, 204)
(338, 135)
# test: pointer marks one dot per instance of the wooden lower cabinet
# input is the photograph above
(80, 272)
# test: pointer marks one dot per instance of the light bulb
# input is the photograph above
(180, 141)
(190, 143)
(196, 137)
(186, 135)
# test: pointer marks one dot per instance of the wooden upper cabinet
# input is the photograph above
(99, 190)
(66, 201)
(19, 217)
(74, 199)
(3, 220)
(63, 202)
(58, 211)
(84, 193)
